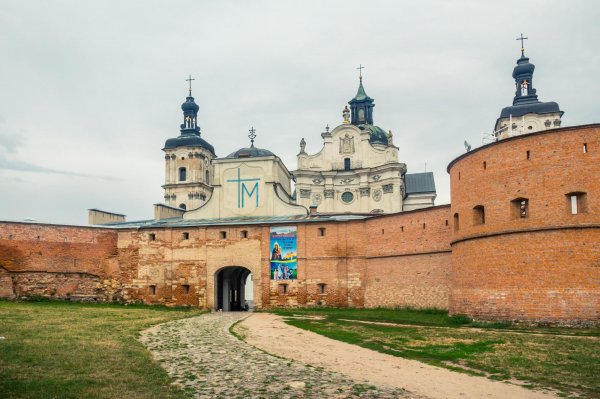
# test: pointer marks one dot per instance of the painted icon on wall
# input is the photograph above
(284, 264)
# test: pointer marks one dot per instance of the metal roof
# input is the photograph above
(419, 183)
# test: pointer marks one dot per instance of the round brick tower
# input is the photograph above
(526, 228)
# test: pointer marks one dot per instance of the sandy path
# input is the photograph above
(269, 332)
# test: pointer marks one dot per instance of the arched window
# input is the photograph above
(182, 206)
(207, 176)
(182, 174)
(346, 163)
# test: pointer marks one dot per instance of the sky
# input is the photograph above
(90, 90)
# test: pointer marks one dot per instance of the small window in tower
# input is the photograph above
(182, 206)
(186, 289)
(585, 149)
(346, 163)
(402, 229)
(446, 222)
(382, 231)
(207, 176)
(423, 225)
(478, 215)
(283, 289)
(484, 165)
(520, 208)
(321, 288)
(152, 237)
(222, 235)
(151, 290)
(458, 175)
(577, 202)
(361, 114)
(528, 154)
(185, 236)
(456, 225)
(321, 231)
(182, 174)
(530, 127)
(244, 234)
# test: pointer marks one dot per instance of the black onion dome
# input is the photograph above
(523, 67)
(189, 105)
(250, 152)
(191, 140)
(378, 135)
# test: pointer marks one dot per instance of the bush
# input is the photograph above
(459, 320)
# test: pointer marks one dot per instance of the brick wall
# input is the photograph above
(541, 267)
(65, 262)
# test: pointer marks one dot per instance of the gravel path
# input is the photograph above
(207, 361)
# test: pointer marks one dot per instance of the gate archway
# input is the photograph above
(230, 292)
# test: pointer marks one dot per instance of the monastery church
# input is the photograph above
(349, 226)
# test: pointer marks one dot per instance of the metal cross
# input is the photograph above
(189, 79)
(252, 135)
(522, 46)
(360, 68)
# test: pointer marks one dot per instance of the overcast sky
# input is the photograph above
(90, 90)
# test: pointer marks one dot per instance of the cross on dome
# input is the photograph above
(189, 79)
(522, 45)
(360, 68)
(252, 136)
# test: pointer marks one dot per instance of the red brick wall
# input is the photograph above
(66, 262)
(545, 267)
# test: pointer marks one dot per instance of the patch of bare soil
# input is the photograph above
(269, 333)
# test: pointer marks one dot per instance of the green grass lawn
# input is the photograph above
(564, 359)
(74, 350)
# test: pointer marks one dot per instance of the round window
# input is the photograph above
(347, 197)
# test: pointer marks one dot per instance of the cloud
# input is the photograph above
(21, 166)
(11, 143)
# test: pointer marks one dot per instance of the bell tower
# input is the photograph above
(361, 106)
(188, 161)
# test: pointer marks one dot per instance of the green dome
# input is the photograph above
(378, 135)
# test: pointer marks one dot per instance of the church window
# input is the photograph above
(152, 237)
(347, 197)
(478, 215)
(283, 289)
(207, 175)
(244, 234)
(577, 202)
(222, 235)
(185, 235)
(346, 163)
(186, 289)
(520, 208)
(321, 288)
(528, 154)
(361, 114)
(182, 174)
(321, 231)
(182, 206)
(182, 158)
(456, 225)
(152, 290)
(585, 148)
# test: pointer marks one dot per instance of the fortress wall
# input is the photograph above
(408, 259)
(544, 266)
(63, 262)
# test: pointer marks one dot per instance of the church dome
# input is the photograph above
(250, 152)
(378, 135)
(190, 105)
(523, 67)
(189, 140)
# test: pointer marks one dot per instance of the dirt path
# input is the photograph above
(269, 332)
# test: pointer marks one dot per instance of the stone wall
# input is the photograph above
(533, 261)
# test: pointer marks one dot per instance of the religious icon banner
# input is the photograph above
(284, 264)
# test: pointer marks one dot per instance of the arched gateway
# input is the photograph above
(230, 288)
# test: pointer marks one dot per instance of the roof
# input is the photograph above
(188, 140)
(417, 183)
(250, 152)
(178, 222)
(530, 108)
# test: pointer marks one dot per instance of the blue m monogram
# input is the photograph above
(243, 189)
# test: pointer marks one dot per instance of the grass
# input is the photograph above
(567, 360)
(75, 350)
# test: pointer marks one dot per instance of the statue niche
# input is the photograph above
(347, 144)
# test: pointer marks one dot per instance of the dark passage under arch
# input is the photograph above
(230, 292)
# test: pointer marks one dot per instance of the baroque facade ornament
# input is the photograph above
(328, 193)
(388, 188)
(304, 193)
(317, 199)
(377, 195)
(347, 144)
(376, 177)
(365, 191)
(317, 180)
(346, 181)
